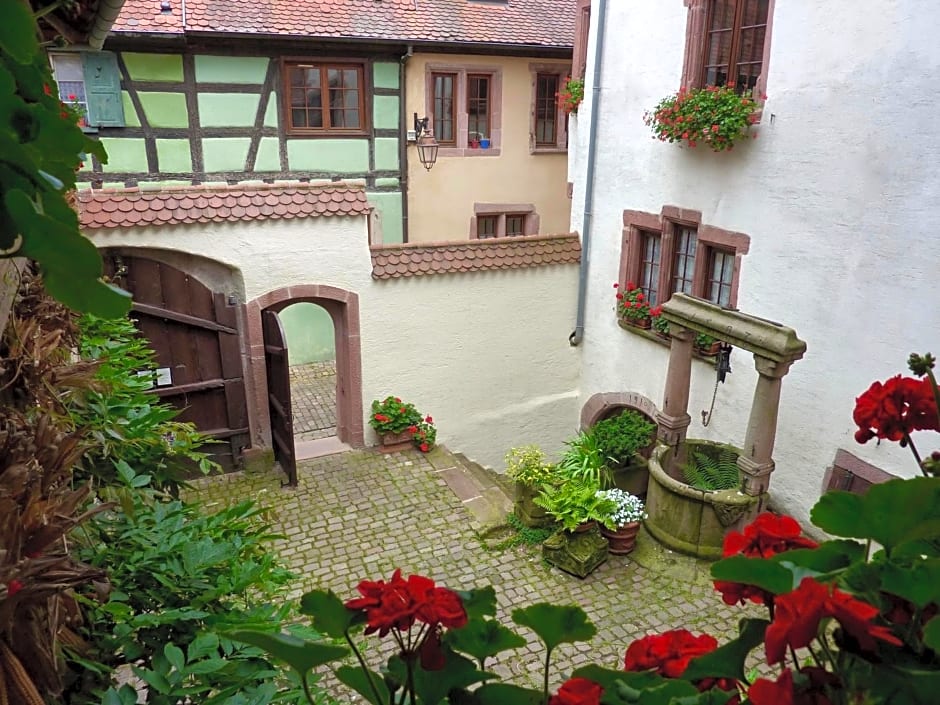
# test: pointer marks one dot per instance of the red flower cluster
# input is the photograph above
(896, 408)
(716, 115)
(768, 535)
(398, 603)
(798, 614)
(381, 418)
(668, 653)
(632, 303)
(577, 691)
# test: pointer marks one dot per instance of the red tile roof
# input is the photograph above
(418, 259)
(124, 208)
(546, 23)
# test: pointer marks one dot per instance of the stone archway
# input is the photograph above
(343, 308)
(606, 404)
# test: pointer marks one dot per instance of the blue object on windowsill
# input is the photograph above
(484, 143)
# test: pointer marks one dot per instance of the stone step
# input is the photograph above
(474, 486)
(488, 476)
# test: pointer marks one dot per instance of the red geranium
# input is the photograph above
(668, 653)
(895, 409)
(577, 691)
(855, 617)
(768, 692)
(796, 619)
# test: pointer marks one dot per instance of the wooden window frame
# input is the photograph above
(666, 224)
(453, 108)
(696, 41)
(560, 144)
(502, 211)
(365, 90)
(484, 219)
(582, 31)
(488, 101)
(462, 147)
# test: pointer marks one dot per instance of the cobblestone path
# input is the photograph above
(313, 400)
(362, 514)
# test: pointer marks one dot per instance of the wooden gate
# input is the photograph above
(279, 403)
(194, 333)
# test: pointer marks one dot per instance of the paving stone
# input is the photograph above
(313, 400)
(359, 515)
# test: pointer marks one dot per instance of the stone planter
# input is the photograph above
(576, 553)
(621, 540)
(394, 442)
(689, 520)
(633, 478)
(528, 512)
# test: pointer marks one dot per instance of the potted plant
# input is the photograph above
(716, 116)
(585, 461)
(473, 139)
(706, 345)
(571, 95)
(621, 437)
(622, 525)
(660, 324)
(575, 504)
(632, 306)
(529, 469)
(400, 424)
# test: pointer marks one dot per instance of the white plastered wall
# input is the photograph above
(485, 353)
(839, 196)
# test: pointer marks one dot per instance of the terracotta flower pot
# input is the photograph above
(709, 350)
(586, 526)
(644, 323)
(621, 540)
(394, 442)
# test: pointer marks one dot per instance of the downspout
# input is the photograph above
(108, 11)
(587, 220)
(403, 143)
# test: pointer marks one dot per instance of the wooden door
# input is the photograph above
(278, 374)
(194, 333)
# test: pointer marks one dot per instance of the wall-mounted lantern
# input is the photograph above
(426, 144)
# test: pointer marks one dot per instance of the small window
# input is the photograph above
(649, 267)
(546, 110)
(720, 276)
(325, 98)
(684, 266)
(69, 76)
(91, 83)
(734, 42)
(486, 226)
(515, 224)
(445, 118)
(478, 108)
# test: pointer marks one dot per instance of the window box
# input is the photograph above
(659, 339)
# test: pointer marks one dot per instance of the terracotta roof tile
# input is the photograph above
(121, 208)
(418, 259)
(518, 22)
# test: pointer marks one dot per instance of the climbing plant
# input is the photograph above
(41, 147)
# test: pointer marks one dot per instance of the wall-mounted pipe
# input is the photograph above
(587, 221)
(108, 11)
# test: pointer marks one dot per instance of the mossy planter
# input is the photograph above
(688, 520)
(527, 511)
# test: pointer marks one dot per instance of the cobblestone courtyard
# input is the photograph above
(313, 400)
(362, 514)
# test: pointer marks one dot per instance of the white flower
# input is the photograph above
(629, 507)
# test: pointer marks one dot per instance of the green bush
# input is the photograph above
(585, 461)
(620, 437)
(527, 465)
(125, 421)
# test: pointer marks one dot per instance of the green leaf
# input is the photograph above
(891, 513)
(299, 654)
(484, 638)
(432, 687)
(357, 679)
(915, 580)
(203, 645)
(506, 694)
(329, 614)
(829, 556)
(762, 572)
(88, 295)
(555, 624)
(618, 685)
(669, 691)
(727, 661)
(18, 32)
(932, 634)
(174, 655)
(479, 602)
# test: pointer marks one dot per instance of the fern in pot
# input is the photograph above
(622, 525)
(576, 505)
(713, 472)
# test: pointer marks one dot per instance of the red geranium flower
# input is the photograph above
(768, 692)
(630, 286)
(577, 691)
(766, 536)
(895, 408)
(412, 429)
(668, 653)
(796, 619)
(424, 447)
(428, 419)
(616, 285)
(855, 617)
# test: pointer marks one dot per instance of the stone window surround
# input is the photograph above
(462, 149)
(562, 70)
(365, 99)
(502, 210)
(695, 32)
(582, 28)
(635, 223)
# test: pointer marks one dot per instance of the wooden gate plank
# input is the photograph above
(279, 401)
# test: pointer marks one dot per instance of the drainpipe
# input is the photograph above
(108, 11)
(587, 221)
(403, 143)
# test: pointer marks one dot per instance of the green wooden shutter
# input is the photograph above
(103, 89)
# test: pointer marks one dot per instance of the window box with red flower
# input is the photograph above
(571, 95)
(399, 424)
(660, 324)
(718, 117)
(633, 308)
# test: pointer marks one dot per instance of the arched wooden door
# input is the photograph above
(277, 368)
(194, 333)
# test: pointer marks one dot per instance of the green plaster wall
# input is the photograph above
(174, 155)
(130, 113)
(125, 154)
(231, 69)
(386, 153)
(383, 182)
(309, 332)
(385, 111)
(164, 109)
(225, 153)
(270, 115)
(385, 75)
(388, 206)
(153, 67)
(227, 109)
(340, 156)
(269, 157)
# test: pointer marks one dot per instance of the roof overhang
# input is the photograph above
(84, 22)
